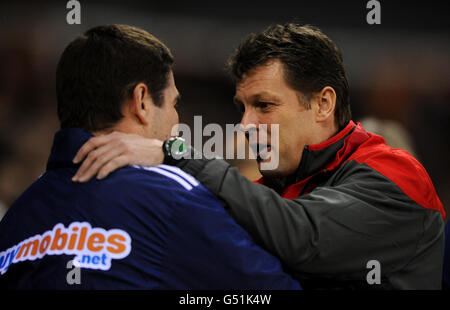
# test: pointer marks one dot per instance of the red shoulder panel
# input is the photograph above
(402, 169)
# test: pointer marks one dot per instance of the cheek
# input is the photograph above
(290, 146)
(286, 151)
(174, 119)
(172, 122)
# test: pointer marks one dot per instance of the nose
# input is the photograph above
(249, 120)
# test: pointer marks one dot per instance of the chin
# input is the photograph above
(275, 173)
(279, 172)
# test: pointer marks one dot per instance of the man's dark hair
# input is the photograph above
(100, 69)
(311, 61)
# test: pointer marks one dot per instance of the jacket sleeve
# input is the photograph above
(206, 249)
(334, 229)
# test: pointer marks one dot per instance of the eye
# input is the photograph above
(263, 106)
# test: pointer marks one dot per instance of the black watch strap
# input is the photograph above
(174, 149)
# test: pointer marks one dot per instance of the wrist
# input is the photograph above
(175, 149)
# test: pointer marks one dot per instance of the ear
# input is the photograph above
(326, 104)
(140, 103)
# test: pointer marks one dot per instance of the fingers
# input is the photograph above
(112, 165)
(89, 146)
(103, 154)
(95, 160)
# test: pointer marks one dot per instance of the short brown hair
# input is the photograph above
(100, 68)
(311, 61)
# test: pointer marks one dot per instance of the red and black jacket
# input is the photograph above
(353, 199)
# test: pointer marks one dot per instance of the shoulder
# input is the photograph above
(401, 168)
(163, 184)
(391, 162)
(162, 177)
(168, 175)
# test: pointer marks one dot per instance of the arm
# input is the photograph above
(206, 242)
(334, 229)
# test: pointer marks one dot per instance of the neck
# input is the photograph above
(122, 126)
(325, 132)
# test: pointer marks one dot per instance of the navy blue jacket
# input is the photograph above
(446, 273)
(140, 228)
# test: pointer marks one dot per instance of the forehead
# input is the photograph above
(266, 79)
(170, 79)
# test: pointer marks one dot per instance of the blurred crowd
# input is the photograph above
(401, 90)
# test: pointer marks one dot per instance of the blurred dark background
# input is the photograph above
(399, 71)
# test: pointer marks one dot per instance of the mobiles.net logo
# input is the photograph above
(93, 248)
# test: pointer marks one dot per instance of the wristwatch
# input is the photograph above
(174, 148)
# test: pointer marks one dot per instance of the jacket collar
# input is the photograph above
(66, 144)
(325, 156)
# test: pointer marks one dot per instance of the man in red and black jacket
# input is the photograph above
(366, 202)
(341, 209)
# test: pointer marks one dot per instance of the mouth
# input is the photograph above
(262, 151)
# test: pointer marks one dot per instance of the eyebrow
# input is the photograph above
(264, 96)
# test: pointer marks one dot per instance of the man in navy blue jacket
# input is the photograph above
(446, 273)
(149, 228)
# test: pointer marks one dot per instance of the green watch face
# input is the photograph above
(177, 147)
